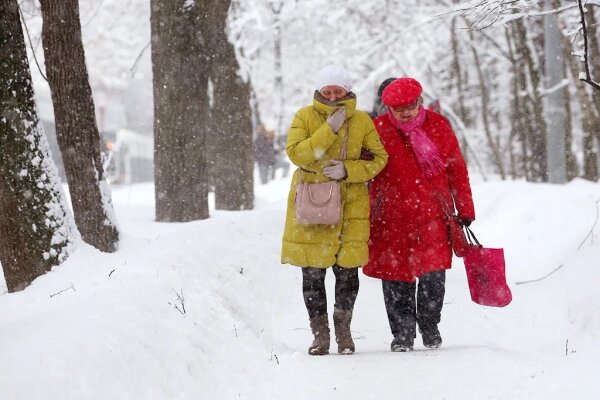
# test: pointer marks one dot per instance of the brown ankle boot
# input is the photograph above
(343, 336)
(320, 329)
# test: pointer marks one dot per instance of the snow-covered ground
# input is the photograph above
(113, 326)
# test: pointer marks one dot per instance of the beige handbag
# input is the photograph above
(320, 203)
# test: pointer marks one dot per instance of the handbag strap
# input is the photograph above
(469, 233)
(471, 236)
(471, 239)
(310, 196)
(442, 200)
(343, 150)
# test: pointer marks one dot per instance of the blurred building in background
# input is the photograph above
(127, 156)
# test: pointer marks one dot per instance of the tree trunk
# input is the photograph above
(181, 122)
(278, 84)
(571, 159)
(537, 135)
(555, 99)
(76, 130)
(572, 169)
(35, 228)
(517, 116)
(524, 104)
(232, 120)
(594, 52)
(594, 48)
(484, 112)
(590, 123)
(458, 76)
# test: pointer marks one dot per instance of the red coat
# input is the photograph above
(408, 234)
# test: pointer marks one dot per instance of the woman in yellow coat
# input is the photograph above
(314, 144)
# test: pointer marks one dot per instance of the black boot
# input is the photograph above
(431, 337)
(399, 300)
(430, 300)
(402, 343)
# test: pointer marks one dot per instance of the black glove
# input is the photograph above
(465, 221)
(366, 155)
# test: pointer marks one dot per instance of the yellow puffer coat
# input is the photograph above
(311, 145)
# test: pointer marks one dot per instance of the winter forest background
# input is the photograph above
(118, 116)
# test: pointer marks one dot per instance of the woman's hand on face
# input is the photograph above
(335, 170)
(336, 119)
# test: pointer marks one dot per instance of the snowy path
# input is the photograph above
(115, 332)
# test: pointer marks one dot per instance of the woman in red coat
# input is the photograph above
(425, 179)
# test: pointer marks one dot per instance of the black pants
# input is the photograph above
(405, 311)
(313, 289)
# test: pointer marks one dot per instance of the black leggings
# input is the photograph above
(313, 289)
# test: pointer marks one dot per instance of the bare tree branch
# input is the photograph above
(137, 59)
(586, 62)
(31, 45)
(541, 278)
(591, 232)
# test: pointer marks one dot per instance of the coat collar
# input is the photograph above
(325, 107)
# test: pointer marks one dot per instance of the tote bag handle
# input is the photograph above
(471, 236)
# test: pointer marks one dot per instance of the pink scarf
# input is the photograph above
(427, 154)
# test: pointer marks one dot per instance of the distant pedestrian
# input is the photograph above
(280, 158)
(378, 107)
(264, 152)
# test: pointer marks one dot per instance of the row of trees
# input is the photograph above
(552, 56)
(202, 123)
(202, 119)
(506, 72)
(34, 226)
(36, 230)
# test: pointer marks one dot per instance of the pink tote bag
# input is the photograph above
(486, 275)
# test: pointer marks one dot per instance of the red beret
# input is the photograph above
(401, 92)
